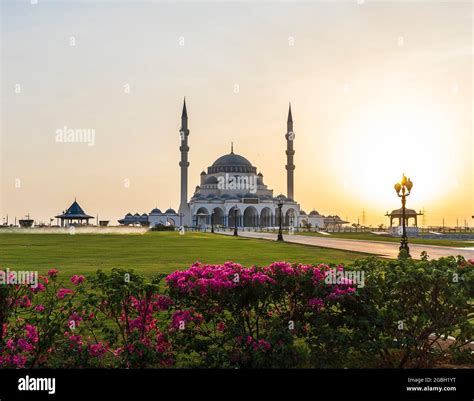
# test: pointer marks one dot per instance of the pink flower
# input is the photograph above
(263, 345)
(97, 350)
(337, 292)
(24, 302)
(39, 288)
(63, 292)
(75, 318)
(39, 308)
(53, 272)
(77, 279)
(316, 303)
(25, 345)
(221, 326)
(19, 361)
(163, 302)
(31, 333)
(471, 261)
(10, 344)
(180, 318)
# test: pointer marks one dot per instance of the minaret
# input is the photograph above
(184, 164)
(290, 167)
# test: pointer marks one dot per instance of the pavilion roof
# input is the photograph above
(399, 213)
(74, 212)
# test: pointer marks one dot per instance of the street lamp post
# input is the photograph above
(235, 221)
(280, 205)
(212, 222)
(403, 189)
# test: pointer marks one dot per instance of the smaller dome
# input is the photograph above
(128, 215)
(203, 172)
(144, 215)
(314, 213)
(280, 196)
(303, 213)
(170, 211)
(137, 215)
(225, 196)
(260, 174)
(211, 180)
(155, 211)
(250, 195)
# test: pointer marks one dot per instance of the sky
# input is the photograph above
(377, 89)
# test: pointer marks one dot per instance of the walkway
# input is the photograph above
(384, 249)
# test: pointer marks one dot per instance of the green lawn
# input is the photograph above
(375, 237)
(150, 253)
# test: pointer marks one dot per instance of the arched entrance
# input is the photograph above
(266, 217)
(250, 217)
(201, 218)
(217, 216)
(290, 218)
(231, 217)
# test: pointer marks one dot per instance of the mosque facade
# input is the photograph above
(230, 192)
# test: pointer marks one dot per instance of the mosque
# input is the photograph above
(230, 192)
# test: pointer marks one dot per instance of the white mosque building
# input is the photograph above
(231, 190)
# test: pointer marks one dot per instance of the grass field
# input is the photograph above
(150, 253)
(375, 237)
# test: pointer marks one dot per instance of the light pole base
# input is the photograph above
(404, 248)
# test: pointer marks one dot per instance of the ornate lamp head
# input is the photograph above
(280, 199)
(404, 180)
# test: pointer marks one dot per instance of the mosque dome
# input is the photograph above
(230, 163)
(232, 159)
(170, 211)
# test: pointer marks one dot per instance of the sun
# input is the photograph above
(400, 140)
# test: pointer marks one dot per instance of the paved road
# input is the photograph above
(384, 249)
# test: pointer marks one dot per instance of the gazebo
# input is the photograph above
(334, 222)
(74, 215)
(409, 214)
